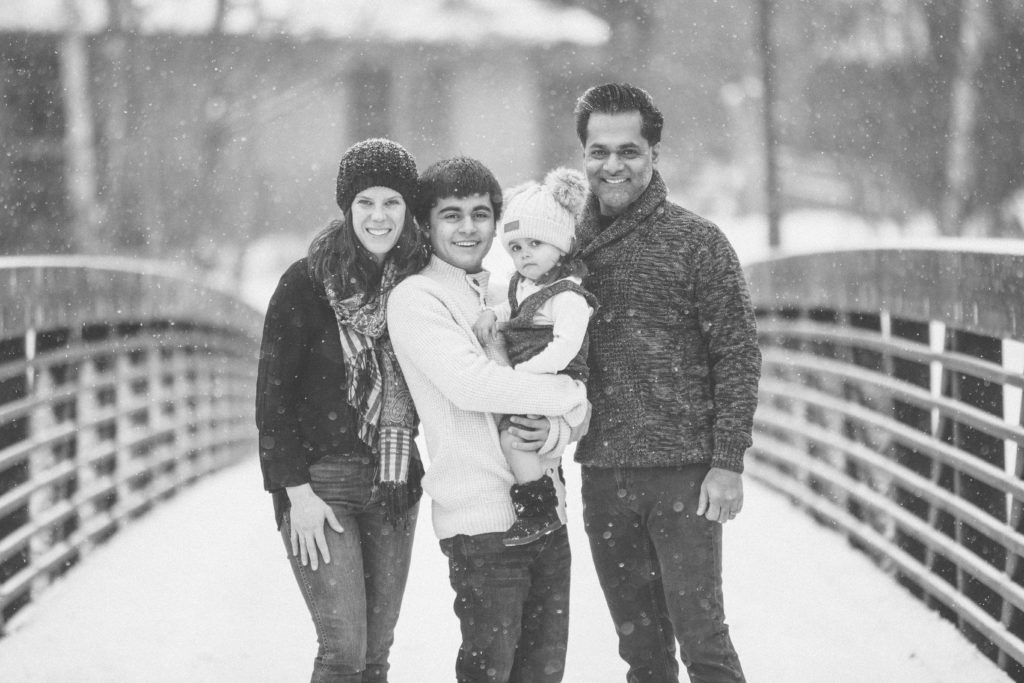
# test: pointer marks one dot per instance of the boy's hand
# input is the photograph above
(529, 431)
(486, 327)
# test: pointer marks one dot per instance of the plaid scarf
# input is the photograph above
(376, 390)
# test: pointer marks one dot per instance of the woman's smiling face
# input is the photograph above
(378, 216)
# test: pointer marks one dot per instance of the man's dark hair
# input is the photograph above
(456, 177)
(619, 98)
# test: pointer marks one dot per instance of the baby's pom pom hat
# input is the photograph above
(545, 211)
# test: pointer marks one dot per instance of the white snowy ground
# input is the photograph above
(199, 590)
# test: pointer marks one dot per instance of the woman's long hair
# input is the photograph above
(337, 256)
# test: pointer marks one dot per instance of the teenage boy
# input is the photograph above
(674, 368)
(512, 602)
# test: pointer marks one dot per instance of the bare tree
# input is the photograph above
(975, 36)
(115, 107)
(773, 192)
(79, 133)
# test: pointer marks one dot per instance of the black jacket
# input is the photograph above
(301, 410)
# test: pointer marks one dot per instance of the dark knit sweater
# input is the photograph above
(674, 362)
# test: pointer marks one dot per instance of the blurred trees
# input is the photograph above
(885, 107)
(95, 156)
(919, 104)
(928, 95)
(31, 166)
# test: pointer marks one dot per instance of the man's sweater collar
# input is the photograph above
(447, 274)
(592, 238)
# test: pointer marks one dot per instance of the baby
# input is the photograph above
(544, 324)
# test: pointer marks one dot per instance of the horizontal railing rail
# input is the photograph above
(120, 382)
(890, 409)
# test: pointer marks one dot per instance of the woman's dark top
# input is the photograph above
(301, 410)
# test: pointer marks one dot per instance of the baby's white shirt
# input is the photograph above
(567, 313)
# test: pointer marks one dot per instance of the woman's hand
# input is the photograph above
(307, 516)
(531, 433)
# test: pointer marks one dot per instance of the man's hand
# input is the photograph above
(721, 495)
(486, 327)
(531, 433)
(306, 517)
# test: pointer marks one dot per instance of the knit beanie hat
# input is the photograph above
(377, 162)
(546, 211)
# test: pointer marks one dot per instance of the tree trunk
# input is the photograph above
(773, 202)
(79, 138)
(961, 171)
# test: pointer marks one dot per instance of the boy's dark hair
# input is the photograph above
(455, 177)
(619, 98)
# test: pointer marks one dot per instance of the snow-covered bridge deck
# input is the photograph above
(199, 590)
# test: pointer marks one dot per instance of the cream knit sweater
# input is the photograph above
(457, 388)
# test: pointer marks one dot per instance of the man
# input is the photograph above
(674, 367)
(512, 602)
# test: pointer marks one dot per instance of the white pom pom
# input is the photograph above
(569, 188)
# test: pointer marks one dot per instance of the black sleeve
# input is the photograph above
(284, 353)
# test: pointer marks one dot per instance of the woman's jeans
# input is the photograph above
(513, 606)
(354, 600)
(660, 566)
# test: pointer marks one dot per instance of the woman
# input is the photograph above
(336, 421)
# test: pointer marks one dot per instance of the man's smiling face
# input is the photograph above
(618, 160)
(462, 230)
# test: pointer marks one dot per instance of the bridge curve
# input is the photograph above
(890, 409)
(120, 382)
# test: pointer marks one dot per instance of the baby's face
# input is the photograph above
(532, 257)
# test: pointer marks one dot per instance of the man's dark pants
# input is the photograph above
(660, 566)
(513, 606)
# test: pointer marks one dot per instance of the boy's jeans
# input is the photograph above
(354, 600)
(513, 607)
(660, 566)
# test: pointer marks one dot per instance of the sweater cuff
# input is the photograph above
(574, 418)
(558, 437)
(729, 450)
(552, 439)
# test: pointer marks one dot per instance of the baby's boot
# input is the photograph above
(536, 505)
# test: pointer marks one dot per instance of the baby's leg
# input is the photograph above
(534, 495)
(525, 465)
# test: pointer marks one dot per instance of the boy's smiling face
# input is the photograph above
(462, 230)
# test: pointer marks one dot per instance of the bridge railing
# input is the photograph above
(119, 384)
(890, 409)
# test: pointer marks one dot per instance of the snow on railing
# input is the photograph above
(120, 382)
(890, 408)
